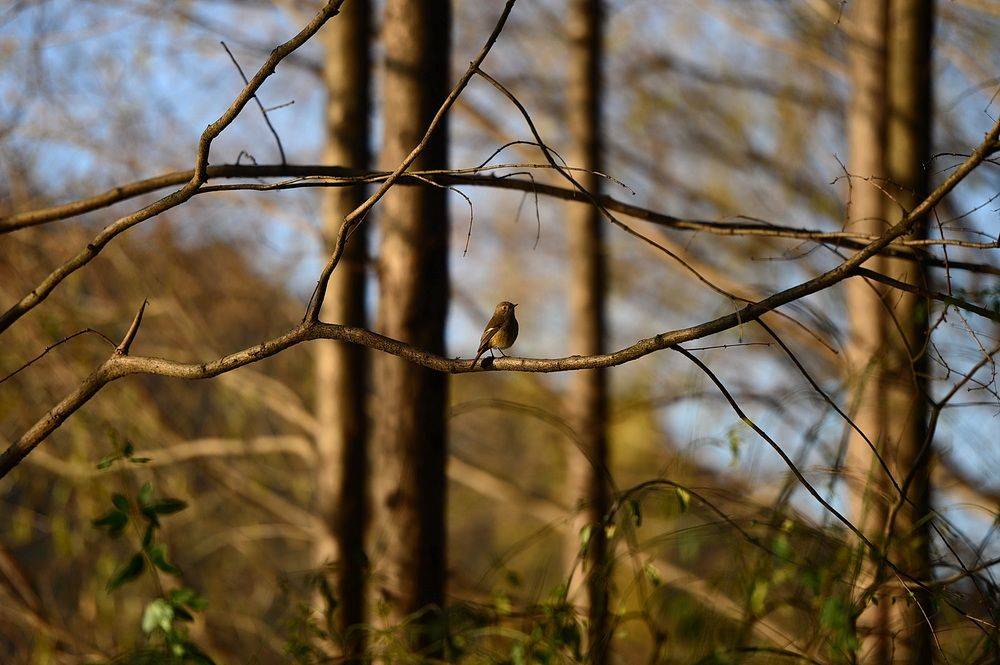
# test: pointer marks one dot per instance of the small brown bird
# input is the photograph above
(500, 332)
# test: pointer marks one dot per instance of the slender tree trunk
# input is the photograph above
(410, 431)
(342, 369)
(890, 137)
(588, 285)
(909, 141)
(866, 124)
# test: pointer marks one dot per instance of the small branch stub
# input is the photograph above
(133, 330)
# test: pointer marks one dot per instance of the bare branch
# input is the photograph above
(133, 330)
(263, 111)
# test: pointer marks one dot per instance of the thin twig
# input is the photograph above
(263, 111)
(54, 345)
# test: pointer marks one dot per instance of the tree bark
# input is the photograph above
(414, 291)
(866, 126)
(588, 285)
(890, 136)
(905, 396)
(342, 369)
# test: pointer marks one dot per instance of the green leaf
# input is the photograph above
(140, 460)
(810, 579)
(154, 521)
(513, 578)
(106, 462)
(193, 654)
(128, 572)
(167, 506)
(145, 494)
(114, 519)
(147, 536)
(758, 596)
(189, 597)
(182, 596)
(782, 548)
(733, 436)
(182, 614)
(158, 614)
(653, 574)
(835, 617)
(684, 497)
(158, 555)
(121, 503)
(636, 509)
(585, 534)
(502, 604)
(517, 655)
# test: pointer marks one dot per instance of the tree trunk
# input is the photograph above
(342, 369)
(909, 141)
(890, 333)
(588, 277)
(414, 290)
(866, 126)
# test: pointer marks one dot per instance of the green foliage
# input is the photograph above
(733, 438)
(836, 617)
(125, 452)
(163, 617)
(150, 551)
(115, 520)
(553, 634)
(127, 572)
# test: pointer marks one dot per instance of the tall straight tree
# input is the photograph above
(342, 369)
(908, 150)
(866, 126)
(413, 304)
(890, 138)
(588, 285)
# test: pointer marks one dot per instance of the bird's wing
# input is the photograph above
(484, 343)
(494, 325)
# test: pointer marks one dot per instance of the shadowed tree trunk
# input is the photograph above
(413, 303)
(866, 126)
(342, 369)
(909, 141)
(588, 277)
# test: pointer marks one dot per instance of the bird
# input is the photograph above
(500, 332)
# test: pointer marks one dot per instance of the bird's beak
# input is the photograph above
(515, 304)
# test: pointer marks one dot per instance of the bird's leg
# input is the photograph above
(502, 353)
(491, 354)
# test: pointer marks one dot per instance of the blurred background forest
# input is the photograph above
(332, 503)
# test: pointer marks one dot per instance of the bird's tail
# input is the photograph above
(479, 354)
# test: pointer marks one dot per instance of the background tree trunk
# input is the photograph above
(905, 395)
(342, 369)
(866, 127)
(410, 432)
(588, 284)
(890, 127)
